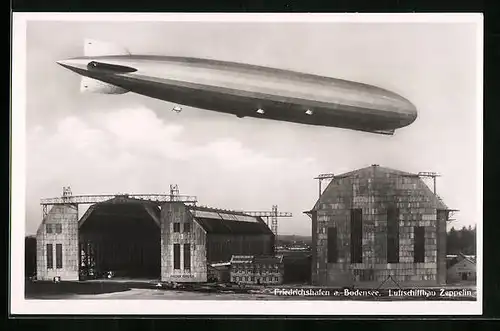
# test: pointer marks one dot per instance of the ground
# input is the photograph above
(147, 290)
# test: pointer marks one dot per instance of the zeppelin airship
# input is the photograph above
(241, 89)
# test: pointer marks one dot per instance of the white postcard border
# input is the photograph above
(19, 305)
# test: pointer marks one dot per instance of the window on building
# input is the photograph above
(59, 263)
(252, 278)
(48, 228)
(356, 235)
(332, 245)
(50, 257)
(392, 235)
(187, 227)
(187, 257)
(177, 256)
(177, 227)
(58, 228)
(419, 244)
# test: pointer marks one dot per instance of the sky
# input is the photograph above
(106, 144)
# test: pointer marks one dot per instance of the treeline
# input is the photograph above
(29, 256)
(461, 241)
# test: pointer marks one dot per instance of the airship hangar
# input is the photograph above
(145, 236)
(370, 226)
(378, 225)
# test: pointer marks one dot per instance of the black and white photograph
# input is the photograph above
(246, 164)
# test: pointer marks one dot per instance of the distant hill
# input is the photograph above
(291, 238)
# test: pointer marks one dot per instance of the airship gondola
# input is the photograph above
(243, 90)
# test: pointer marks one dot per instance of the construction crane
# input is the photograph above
(69, 199)
(270, 216)
(322, 177)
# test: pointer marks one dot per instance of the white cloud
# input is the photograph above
(232, 155)
(132, 150)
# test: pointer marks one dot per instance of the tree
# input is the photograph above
(462, 241)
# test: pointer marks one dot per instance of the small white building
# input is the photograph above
(462, 268)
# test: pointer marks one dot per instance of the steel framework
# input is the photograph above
(270, 216)
(68, 199)
(322, 177)
(432, 175)
(91, 199)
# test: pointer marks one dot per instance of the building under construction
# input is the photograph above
(165, 237)
(377, 225)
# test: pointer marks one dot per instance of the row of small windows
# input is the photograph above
(53, 228)
(252, 278)
(187, 227)
(356, 239)
(50, 256)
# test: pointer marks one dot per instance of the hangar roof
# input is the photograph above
(219, 221)
(215, 221)
(377, 172)
(123, 207)
(373, 170)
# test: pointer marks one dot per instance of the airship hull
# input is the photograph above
(242, 90)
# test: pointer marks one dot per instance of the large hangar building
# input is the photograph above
(377, 225)
(144, 238)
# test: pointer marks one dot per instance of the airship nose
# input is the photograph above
(73, 64)
(64, 63)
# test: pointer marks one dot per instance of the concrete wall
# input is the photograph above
(67, 216)
(441, 237)
(374, 190)
(314, 248)
(176, 212)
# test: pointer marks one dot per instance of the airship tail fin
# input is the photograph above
(101, 48)
(89, 85)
